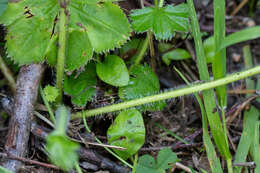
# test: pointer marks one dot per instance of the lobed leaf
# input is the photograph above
(113, 71)
(163, 22)
(28, 33)
(143, 82)
(127, 131)
(51, 93)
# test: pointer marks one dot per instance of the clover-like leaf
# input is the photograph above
(104, 23)
(127, 131)
(163, 22)
(147, 163)
(143, 82)
(51, 93)
(3, 6)
(82, 87)
(113, 71)
(176, 54)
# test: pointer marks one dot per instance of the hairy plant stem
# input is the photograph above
(171, 94)
(61, 53)
(7, 74)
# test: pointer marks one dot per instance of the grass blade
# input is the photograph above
(214, 161)
(213, 117)
(250, 119)
(240, 36)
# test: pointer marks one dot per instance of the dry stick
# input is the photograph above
(241, 5)
(29, 161)
(20, 124)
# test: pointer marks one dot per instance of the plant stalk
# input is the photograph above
(7, 74)
(171, 94)
(61, 53)
(161, 3)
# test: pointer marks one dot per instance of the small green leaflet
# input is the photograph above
(143, 82)
(147, 163)
(51, 93)
(61, 150)
(93, 26)
(81, 87)
(163, 22)
(113, 71)
(127, 131)
(3, 5)
(176, 54)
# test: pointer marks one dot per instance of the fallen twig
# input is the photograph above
(20, 122)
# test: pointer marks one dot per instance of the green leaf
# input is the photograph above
(113, 71)
(81, 87)
(147, 164)
(176, 54)
(28, 37)
(62, 151)
(51, 93)
(127, 131)
(143, 82)
(30, 26)
(166, 157)
(79, 50)
(3, 6)
(4, 170)
(209, 49)
(163, 22)
(104, 23)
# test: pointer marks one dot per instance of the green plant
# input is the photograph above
(70, 35)
(147, 163)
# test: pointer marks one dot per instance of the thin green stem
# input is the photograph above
(135, 163)
(108, 150)
(161, 3)
(77, 167)
(46, 103)
(141, 53)
(62, 115)
(171, 94)
(155, 3)
(61, 53)
(7, 74)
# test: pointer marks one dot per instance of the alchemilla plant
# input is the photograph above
(81, 40)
